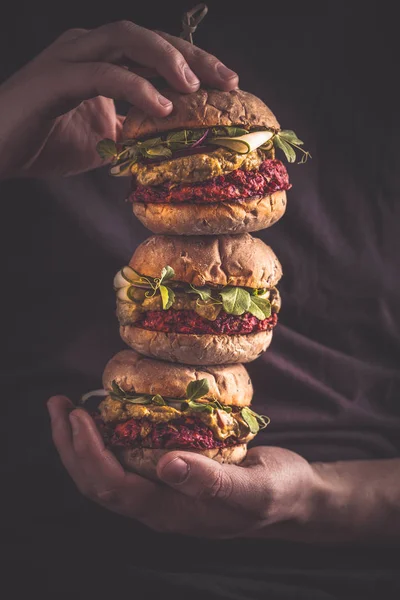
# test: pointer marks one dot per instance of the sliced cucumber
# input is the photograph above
(177, 404)
(265, 295)
(244, 143)
(129, 274)
(120, 281)
(123, 295)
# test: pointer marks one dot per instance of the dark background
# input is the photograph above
(330, 381)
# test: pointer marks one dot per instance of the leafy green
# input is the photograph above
(286, 140)
(118, 393)
(290, 137)
(200, 406)
(229, 131)
(259, 307)
(107, 148)
(167, 273)
(177, 140)
(220, 406)
(158, 151)
(194, 391)
(286, 148)
(116, 389)
(137, 399)
(177, 137)
(164, 146)
(150, 143)
(204, 292)
(250, 419)
(167, 296)
(197, 389)
(157, 399)
(158, 284)
(235, 300)
(254, 421)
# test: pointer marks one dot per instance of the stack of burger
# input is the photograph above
(199, 297)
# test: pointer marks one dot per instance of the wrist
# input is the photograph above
(302, 497)
(314, 495)
(320, 508)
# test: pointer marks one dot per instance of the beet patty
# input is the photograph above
(188, 321)
(270, 177)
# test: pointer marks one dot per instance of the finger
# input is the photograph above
(99, 466)
(195, 475)
(245, 487)
(59, 409)
(70, 35)
(118, 127)
(101, 477)
(207, 67)
(78, 445)
(88, 80)
(114, 41)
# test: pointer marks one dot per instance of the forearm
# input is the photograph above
(349, 502)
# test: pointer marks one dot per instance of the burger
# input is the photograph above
(199, 300)
(152, 407)
(207, 168)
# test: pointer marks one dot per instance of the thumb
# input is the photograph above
(200, 477)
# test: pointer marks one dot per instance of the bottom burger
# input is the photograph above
(152, 407)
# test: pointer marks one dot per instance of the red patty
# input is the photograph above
(270, 177)
(182, 433)
(188, 321)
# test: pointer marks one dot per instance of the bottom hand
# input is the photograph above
(196, 495)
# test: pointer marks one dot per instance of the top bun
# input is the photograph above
(204, 108)
(237, 260)
(133, 372)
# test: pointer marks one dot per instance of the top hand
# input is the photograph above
(56, 108)
(202, 498)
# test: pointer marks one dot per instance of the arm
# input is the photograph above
(356, 501)
(274, 493)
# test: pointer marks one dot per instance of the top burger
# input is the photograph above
(207, 168)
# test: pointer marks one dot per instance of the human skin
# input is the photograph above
(56, 108)
(274, 493)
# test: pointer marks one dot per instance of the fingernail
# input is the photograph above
(175, 471)
(224, 72)
(74, 424)
(164, 101)
(190, 76)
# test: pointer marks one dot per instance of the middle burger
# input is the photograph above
(199, 300)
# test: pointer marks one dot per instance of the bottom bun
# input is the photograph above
(239, 216)
(193, 349)
(143, 461)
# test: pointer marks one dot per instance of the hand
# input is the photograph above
(196, 495)
(56, 108)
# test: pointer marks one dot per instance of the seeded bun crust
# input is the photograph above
(144, 460)
(238, 260)
(204, 108)
(137, 374)
(195, 349)
(240, 216)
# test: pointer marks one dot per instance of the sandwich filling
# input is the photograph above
(163, 304)
(210, 165)
(188, 321)
(271, 176)
(129, 419)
